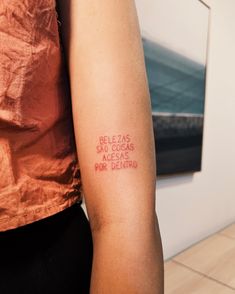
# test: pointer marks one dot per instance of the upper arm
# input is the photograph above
(111, 108)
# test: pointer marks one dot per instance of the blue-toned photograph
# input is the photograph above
(175, 49)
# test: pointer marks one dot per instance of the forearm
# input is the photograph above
(127, 245)
(127, 259)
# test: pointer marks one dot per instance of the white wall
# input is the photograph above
(167, 23)
(191, 207)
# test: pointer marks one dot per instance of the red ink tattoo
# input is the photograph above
(115, 153)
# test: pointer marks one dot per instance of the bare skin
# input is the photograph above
(115, 143)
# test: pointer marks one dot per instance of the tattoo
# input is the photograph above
(115, 153)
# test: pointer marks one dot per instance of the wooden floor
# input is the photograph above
(206, 268)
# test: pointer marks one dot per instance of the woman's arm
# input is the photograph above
(115, 143)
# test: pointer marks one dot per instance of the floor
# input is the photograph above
(206, 268)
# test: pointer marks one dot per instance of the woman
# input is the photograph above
(53, 153)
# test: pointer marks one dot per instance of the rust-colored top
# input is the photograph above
(39, 170)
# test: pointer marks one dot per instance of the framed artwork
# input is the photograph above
(175, 40)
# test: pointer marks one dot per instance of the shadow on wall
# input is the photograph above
(174, 180)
